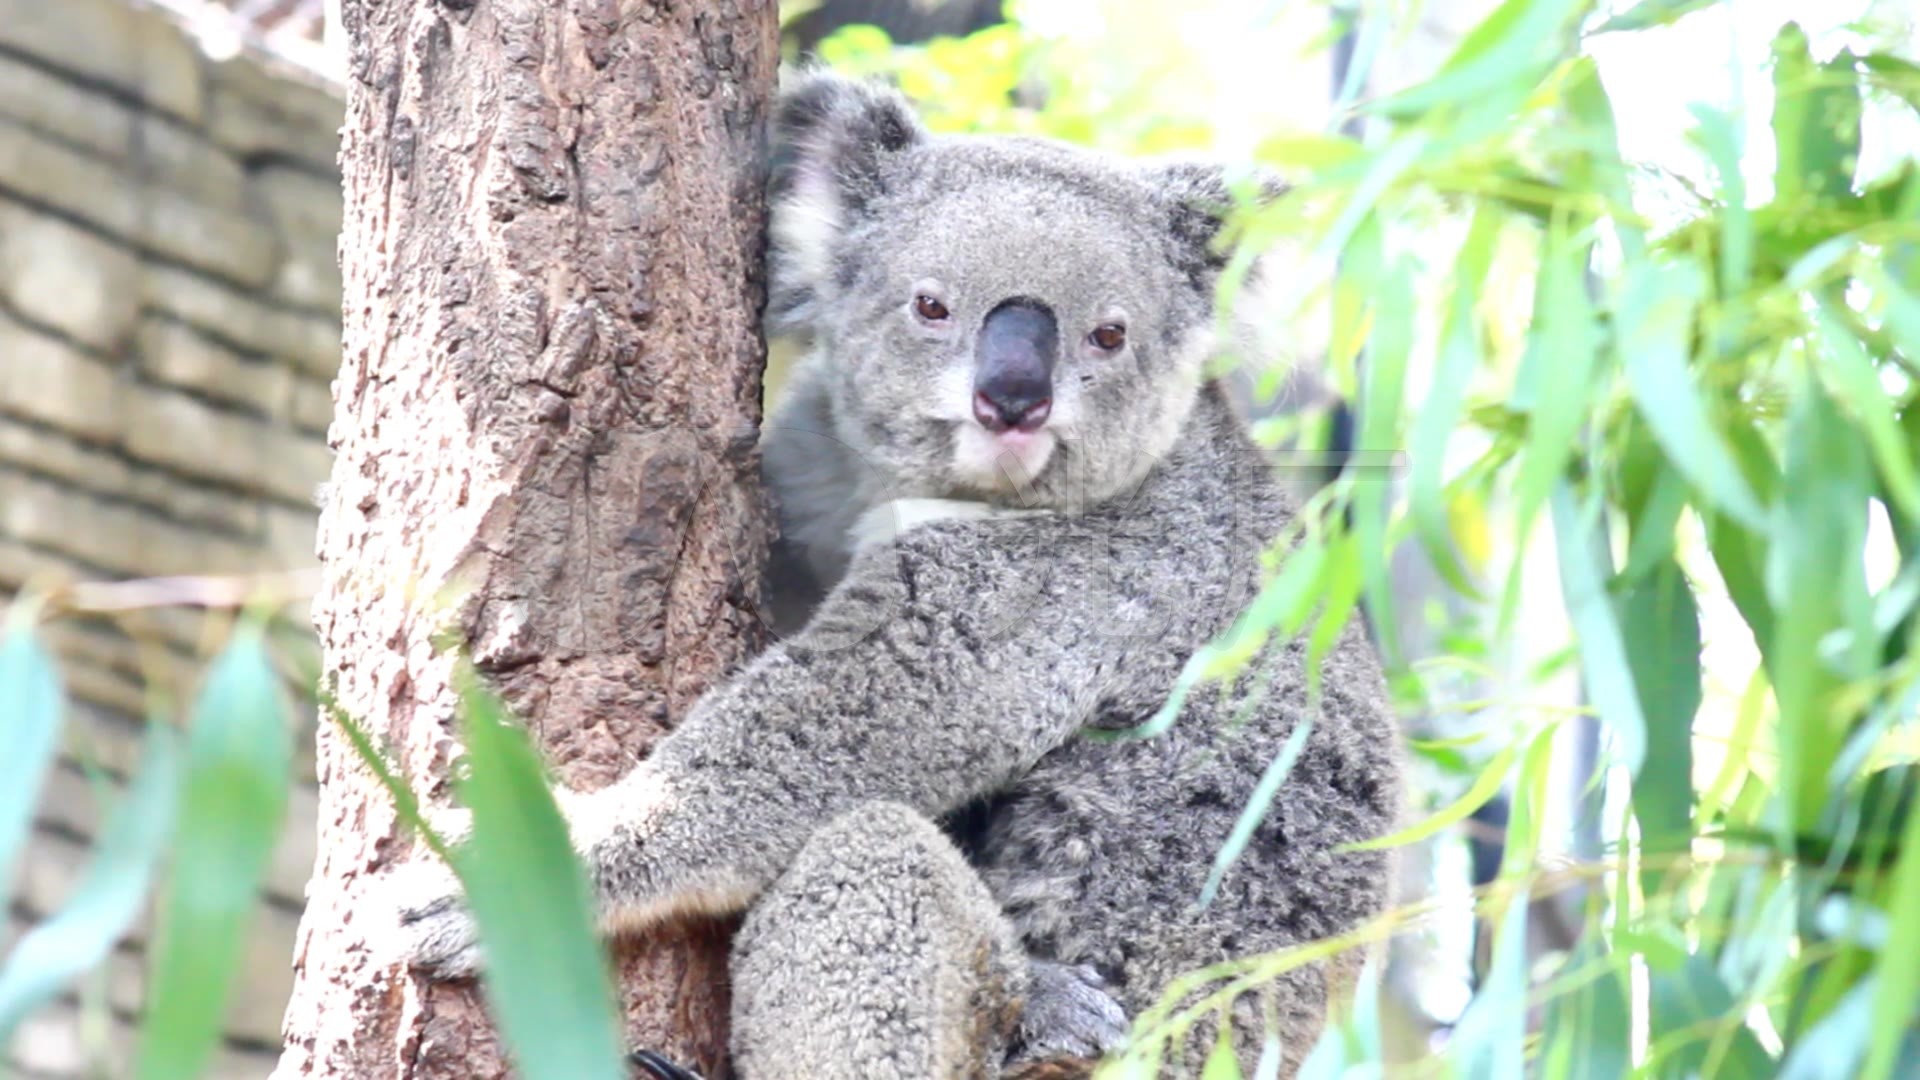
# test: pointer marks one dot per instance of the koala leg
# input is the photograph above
(878, 953)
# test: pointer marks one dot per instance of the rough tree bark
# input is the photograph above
(550, 399)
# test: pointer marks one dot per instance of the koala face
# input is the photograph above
(999, 318)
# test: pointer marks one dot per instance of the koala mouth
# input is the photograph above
(1003, 462)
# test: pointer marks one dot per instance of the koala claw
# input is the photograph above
(436, 933)
(1068, 1014)
(659, 1068)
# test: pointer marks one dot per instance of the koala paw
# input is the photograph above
(434, 932)
(1068, 1014)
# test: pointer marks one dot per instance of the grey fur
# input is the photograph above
(955, 662)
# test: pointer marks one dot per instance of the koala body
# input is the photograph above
(1012, 510)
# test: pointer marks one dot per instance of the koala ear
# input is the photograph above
(831, 136)
(1198, 198)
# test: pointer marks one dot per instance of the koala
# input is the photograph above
(1013, 506)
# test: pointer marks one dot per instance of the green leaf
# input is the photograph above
(1816, 580)
(1816, 122)
(1562, 355)
(1651, 13)
(238, 770)
(30, 716)
(1506, 51)
(1605, 670)
(1222, 1063)
(1588, 1029)
(1256, 808)
(1662, 629)
(1689, 1007)
(546, 977)
(1439, 415)
(1490, 1039)
(1898, 995)
(1832, 1048)
(1851, 376)
(1382, 396)
(1655, 316)
(109, 895)
(1484, 787)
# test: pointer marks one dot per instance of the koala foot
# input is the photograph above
(659, 1068)
(422, 899)
(434, 931)
(1068, 1014)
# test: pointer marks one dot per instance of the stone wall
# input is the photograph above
(169, 321)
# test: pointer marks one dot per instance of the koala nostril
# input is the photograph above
(998, 414)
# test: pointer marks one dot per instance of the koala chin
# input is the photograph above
(1011, 509)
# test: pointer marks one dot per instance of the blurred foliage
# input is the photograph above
(1702, 404)
(1706, 405)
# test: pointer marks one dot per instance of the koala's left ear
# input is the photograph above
(832, 136)
(1197, 198)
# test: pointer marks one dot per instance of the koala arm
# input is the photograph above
(906, 685)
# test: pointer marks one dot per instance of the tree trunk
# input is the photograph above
(546, 425)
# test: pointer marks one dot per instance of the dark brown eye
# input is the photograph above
(930, 309)
(1108, 338)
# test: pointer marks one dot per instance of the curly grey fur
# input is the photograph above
(956, 661)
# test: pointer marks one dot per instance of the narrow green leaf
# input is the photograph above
(1816, 122)
(1650, 13)
(1490, 1039)
(1562, 355)
(1484, 787)
(1832, 1048)
(1382, 397)
(1655, 315)
(1256, 808)
(109, 895)
(238, 769)
(30, 715)
(1662, 629)
(1588, 1029)
(1439, 415)
(1222, 1063)
(546, 976)
(1898, 997)
(1606, 672)
(1689, 1008)
(1851, 377)
(1816, 579)
(1502, 52)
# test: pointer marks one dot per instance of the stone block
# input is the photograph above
(175, 353)
(51, 454)
(312, 406)
(261, 113)
(187, 434)
(62, 276)
(136, 49)
(306, 209)
(47, 380)
(154, 146)
(233, 243)
(310, 342)
(113, 537)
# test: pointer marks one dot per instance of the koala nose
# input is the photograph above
(1012, 409)
(1013, 366)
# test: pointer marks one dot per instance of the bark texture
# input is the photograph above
(546, 425)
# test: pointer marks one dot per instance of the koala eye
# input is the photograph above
(1108, 337)
(930, 309)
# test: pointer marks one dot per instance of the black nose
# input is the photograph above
(1023, 410)
(1013, 366)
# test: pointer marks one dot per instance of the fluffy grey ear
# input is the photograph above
(831, 137)
(1198, 198)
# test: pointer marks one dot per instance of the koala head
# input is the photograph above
(995, 318)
